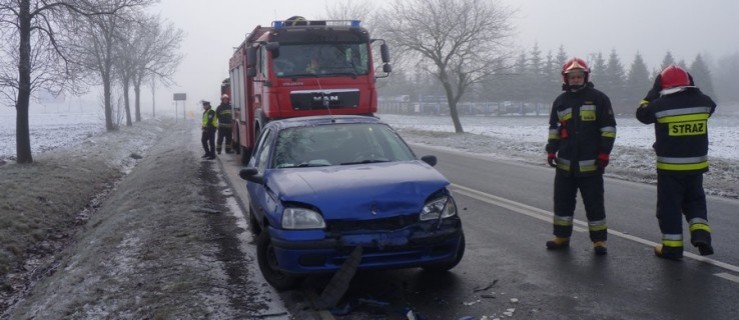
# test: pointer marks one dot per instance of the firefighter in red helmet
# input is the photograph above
(679, 112)
(582, 129)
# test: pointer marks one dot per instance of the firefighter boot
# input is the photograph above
(599, 247)
(672, 253)
(558, 243)
(702, 240)
(218, 149)
(228, 150)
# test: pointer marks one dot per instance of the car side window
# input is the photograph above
(263, 150)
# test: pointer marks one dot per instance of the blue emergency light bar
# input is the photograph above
(314, 23)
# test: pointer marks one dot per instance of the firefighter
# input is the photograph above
(679, 111)
(210, 123)
(223, 112)
(582, 130)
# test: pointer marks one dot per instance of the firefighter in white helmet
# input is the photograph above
(209, 124)
(225, 123)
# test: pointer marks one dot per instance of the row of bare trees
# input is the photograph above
(70, 45)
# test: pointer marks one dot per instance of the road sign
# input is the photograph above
(180, 96)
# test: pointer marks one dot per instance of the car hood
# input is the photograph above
(359, 191)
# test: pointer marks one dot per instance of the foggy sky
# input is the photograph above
(684, 27)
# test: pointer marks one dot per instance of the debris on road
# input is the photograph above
(478, 289)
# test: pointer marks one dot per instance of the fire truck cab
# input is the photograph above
(297, 68)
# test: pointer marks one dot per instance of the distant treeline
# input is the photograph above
(533, 80)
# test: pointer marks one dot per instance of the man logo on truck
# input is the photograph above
(325, 98)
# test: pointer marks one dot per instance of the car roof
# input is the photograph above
(320, 120)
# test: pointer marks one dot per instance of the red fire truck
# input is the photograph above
(299, 67)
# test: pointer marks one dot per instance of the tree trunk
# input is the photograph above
(137, 99)
(22, 135)
(109, 126)
(452, 101)
(106, 76)
(127, 102)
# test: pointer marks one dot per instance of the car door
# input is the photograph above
(259, 197)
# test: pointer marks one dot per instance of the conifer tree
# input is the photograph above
(613, 82)
(638, 81)
(702, 75)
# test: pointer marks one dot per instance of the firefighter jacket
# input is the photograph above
(581, 126)
(223, 112)
(681, 130)
(209, 119)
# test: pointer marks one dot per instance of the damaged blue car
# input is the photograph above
(321, 187)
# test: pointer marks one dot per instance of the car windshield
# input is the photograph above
(326, 59)
(338, 144)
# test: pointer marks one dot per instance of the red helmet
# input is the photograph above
(572, 65)
(674, 76)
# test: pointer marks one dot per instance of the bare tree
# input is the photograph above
(125, 48)
(145, 48)
(100, 49)
(156, 55)
(459, 42)
(42, 30)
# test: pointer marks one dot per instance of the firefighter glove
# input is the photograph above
(602, 160)
(653, 93)
(552, 159)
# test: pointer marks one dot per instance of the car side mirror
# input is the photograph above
(431, 160)
(251, 174)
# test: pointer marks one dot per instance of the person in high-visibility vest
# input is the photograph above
(210, 124)
(679, 112)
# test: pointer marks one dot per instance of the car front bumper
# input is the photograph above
(303, 252)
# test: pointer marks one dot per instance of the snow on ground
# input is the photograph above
(48, 130)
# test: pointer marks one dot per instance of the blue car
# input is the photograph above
(321, 187)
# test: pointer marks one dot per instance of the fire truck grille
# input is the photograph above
(315, 100)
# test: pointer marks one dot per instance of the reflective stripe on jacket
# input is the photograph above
(223, 112)
(581, 126)
(681, 130)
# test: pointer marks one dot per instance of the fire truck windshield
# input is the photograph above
(325, 59)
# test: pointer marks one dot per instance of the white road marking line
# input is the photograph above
(727, 276)
(547, 216)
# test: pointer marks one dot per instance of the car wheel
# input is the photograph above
(254, 227)
(269, 266)
(448, 265)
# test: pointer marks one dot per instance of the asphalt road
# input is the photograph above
(507, 272)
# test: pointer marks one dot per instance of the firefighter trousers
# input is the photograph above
(679, 195)
(224, 133)
(565, 199)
